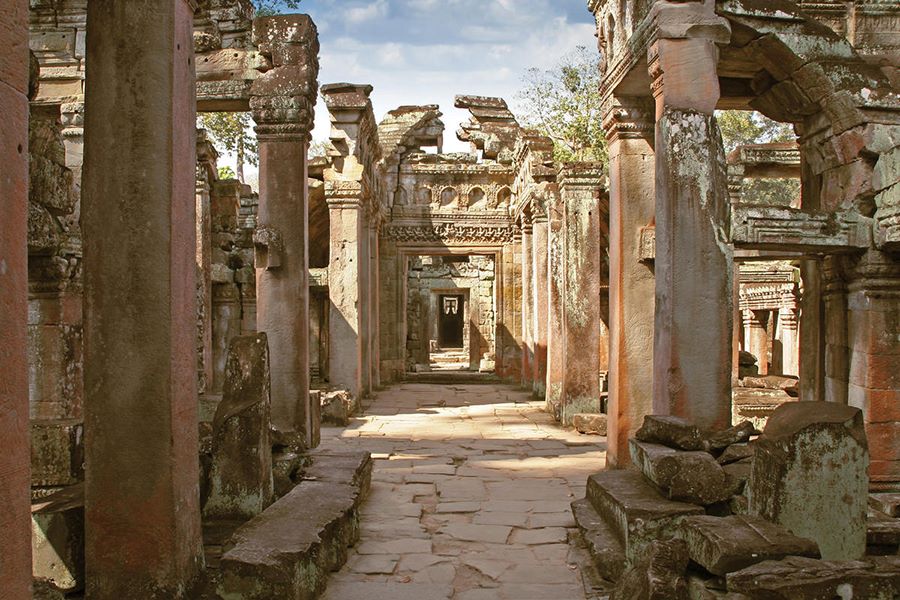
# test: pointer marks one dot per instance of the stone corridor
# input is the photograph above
(470, 497)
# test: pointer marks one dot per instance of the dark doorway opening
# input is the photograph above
(451, 321)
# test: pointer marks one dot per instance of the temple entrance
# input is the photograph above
(451, 320)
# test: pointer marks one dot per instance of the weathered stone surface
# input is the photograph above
(735, 453)
(740, 433)
(888, 503)
(798, 578)
(722, 545)
(658, 575)
(605, 548)
(241, 483)
(636, 511)
(693, 477)
(882, 533)
(338, 407)
(57, 539)
(57, 452)
(671, 431)
(740, 473)
(809, 475)
(592, 424)
(791, 385)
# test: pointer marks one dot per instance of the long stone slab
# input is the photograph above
(635, 510)
(604, 546)
(288, 551)
(798, 578)
(723, 545)
(693, 476)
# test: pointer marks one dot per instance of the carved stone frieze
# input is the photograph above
(449, 233)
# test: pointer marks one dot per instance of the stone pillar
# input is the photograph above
(539, 238)
(629, 130)
(837, 359)
(508, 338)
(142, 512)
(756, 337)
(345, 287)
(873, 301)
(374, 304)
(363, 306)
(694, 273)
(556, 325)
(527, 304)
(282, 102)
(790, 339)
(15, 517)
(812, 339)
(580, 189)
(206, 164)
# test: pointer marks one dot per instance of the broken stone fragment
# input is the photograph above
(671, 431)
(799, 578)
(887, 503)
(739, 473)
(658, 575)
(591, 424)
(735, 453)
(810, 475)
(693, 476)
(724, 545)
(338, 407)
(739, 434)
(791, 385)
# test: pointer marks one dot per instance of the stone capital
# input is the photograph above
(283, 99)
(628, 117)
(580, 177)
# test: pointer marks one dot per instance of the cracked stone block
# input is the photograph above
(693, 477)
(723, 545)
(671, 431)
(658, 575)
(810, 474)
(591, 424)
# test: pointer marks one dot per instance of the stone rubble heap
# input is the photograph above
(736, 515)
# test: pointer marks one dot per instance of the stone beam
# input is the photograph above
(142, 513)
(282, 102)
(789, 229)
(15, 476)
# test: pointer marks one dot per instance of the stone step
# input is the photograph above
(635, 510)
(722, 545)
(604, 546)
(288, 551)
(882, 533)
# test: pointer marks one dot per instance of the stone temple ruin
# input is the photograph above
(173, 341)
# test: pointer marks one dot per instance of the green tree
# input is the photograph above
(740, 127)
(274, 7)
(232, 132)
(226, 172)
(563, 103)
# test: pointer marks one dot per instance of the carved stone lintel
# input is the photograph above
(449, 233)
(767, 227)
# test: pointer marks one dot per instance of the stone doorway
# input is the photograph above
(451, 321)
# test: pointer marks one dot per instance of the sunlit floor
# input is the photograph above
(470, 497)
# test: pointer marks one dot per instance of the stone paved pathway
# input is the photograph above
(470, 497)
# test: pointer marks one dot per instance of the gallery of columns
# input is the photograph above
(132, 274)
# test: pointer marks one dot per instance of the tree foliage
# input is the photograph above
(563, 103)
(274, 7)
(740, 127)
(232, 132)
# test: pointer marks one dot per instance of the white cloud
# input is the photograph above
(361, 14)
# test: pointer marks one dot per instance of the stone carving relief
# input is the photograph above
(450, 233)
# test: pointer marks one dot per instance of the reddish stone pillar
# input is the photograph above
(539, 238)
(873, 301)
(556, 285)
(374, 304)
(580, 188)
(756, 338)
(142, 514)
(629, 130)
(836, 334)
(790, 342)
(694, 272)
(282, 102)
(527, 304)
(15, 476)
(812, 339)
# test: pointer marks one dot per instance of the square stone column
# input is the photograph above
(15, 460)
(527, 304)
(580, 189)
(790, 338)
(540, 294)
(556, 322)
(812, 340)
(346, 287)
(282, 102)
(836, 332)
(873, 301)
(694, 272)
(629, 123)
(142, 513)
(756, 337)
(509, 323)
(374, 304)
(364, 308)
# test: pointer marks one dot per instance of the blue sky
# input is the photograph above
(427, 51)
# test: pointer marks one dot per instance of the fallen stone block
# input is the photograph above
(57, 539)
(887, 503)
(791, 385)
(693, 477)
(605, 548)
(723, 545)
(341, 467)
(636, 512)
(590, 424)
(810, 475)
(882, 534)
(798, 578)
(739, 434)
(739, 472)
(240, 479)
(338, 407)
(674, 432)
(735, 453)
(658, 575)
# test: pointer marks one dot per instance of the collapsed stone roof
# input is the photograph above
(411, 127)
(493, 128)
